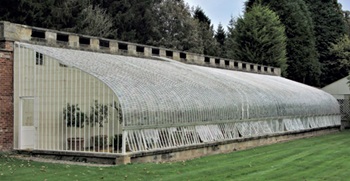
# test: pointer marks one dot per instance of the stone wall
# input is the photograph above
(6, 95)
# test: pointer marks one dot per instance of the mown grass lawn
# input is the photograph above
(319, 158)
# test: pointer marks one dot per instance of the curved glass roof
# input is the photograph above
(163, 91)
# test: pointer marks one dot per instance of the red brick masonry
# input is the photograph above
(6, 96)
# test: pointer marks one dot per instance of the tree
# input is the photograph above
(230, 37)
(347, 21)
(206, 33)
(258, 37)
(302, 57)
(80, 16)
(329, 27)
(202, 17)
(29, 12)
(176, 28)
(134, 20)
(220, 37)
(94, 21)
(339, 67)
(73, 116)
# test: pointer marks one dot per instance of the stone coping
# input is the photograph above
(22, 33)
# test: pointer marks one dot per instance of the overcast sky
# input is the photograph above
(220, 11)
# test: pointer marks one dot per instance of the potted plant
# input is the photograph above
(98, 116)
(118, 138)
(74, 117)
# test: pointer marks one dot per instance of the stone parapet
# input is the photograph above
(22, 33)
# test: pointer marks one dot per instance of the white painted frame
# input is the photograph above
(20, 139)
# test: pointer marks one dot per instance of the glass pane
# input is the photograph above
(28, 112)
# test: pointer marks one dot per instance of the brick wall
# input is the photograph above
(6, 96)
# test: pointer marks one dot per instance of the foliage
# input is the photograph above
(202, 17)
(164, 23)
(302, 57)
(339, 67)
(133, 20)
(98, 114)
(206, 33)
(94, 21)
(80, 16)
(73, 116)
(118, 139)
(100, 141)
(176, 28)
(259, 37)
(117, 107)
(318, 158)
(220, 37)
(329, 26)
(346, 15)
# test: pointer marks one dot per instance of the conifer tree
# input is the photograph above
(206, 33)
(258, 37)
(329, 27)
(302, 56)
(220, 37)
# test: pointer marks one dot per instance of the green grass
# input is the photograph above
(319, 158)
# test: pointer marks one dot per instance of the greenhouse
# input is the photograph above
(80, 101)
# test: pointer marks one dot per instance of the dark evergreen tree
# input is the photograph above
(220, 37)
(202, 17)
(259, 37)
(29, 12)
(206, 33)
(329, 27)
(81, 16)
(230, 36)
(302, 57)
(339, 67)
(134, 20)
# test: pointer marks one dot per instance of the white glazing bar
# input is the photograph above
(130, 137)
(61, 104)
(51, 99)
(42, 105)
(46, 101)
(83, 94)
(103, 115)
(93, 116)
(80, 94)
(88, 103)
(98, 116)
(110, 108)
(115, 121)
(71, 87)
(25, 73)
(75, 95)
(52, 104)
(65, 105)
(35, 104)
(57, 102)
(138, 140)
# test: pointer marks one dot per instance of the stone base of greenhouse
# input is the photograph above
(182, 153)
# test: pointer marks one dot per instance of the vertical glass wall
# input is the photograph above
(72, 110)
